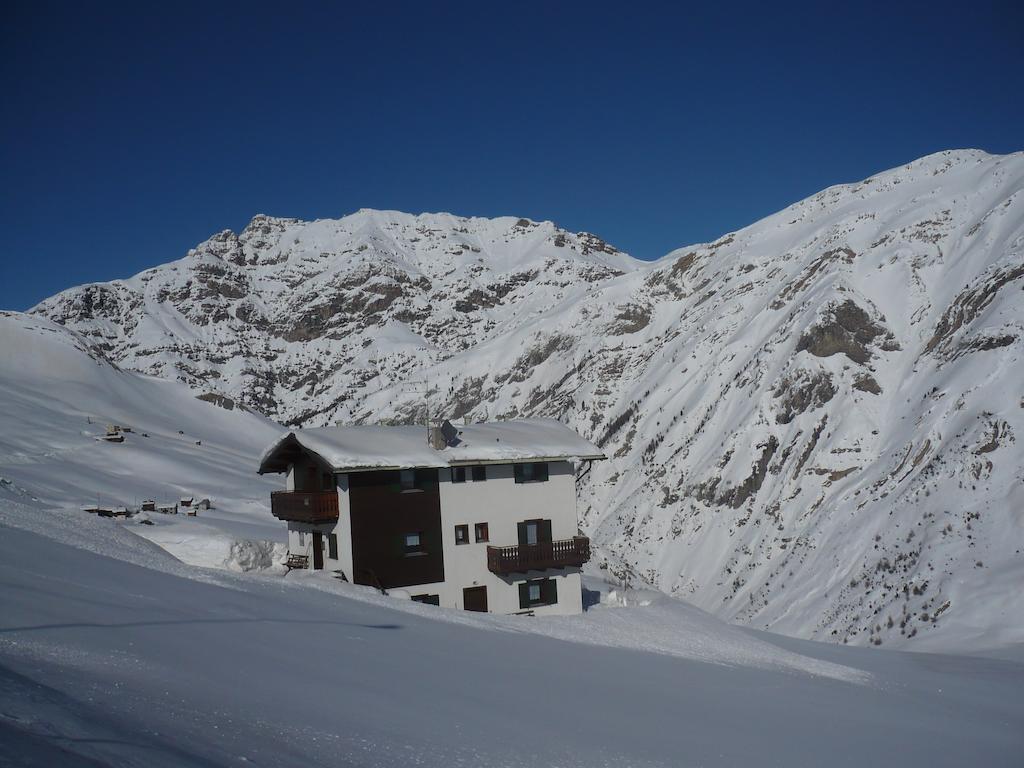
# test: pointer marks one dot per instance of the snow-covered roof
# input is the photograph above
(351, 448)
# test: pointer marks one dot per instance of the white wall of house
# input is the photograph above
(498, 501)
(502, 503)
(300, 542)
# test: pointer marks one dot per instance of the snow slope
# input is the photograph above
(812, 423)
(113, 653)
(57, 395)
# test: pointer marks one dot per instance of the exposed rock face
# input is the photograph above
(801, 392)
(811, 423)
(845, 329)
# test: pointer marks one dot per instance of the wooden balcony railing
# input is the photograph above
(537, 557)
(305, 506)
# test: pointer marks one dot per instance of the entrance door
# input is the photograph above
(475, 599)
(534, 532)
(318, 551)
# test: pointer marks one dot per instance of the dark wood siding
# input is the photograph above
(381, 514)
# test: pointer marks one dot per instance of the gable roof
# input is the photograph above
(354, 448)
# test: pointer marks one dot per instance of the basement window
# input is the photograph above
(462, 534)
(538, 592)
(428, 599)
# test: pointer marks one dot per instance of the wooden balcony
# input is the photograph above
(305, 506)
(538, 557)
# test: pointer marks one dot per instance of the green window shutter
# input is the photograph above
(522, 534)
(518, 470)
(549, 591)
(540, 472)
(524, 595)
(544, 532)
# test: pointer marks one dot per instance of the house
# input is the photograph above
(480, 517)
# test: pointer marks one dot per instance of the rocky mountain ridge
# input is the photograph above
(812, 423)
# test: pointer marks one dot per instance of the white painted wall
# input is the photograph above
(502, 503)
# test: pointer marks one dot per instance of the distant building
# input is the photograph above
(480, 517)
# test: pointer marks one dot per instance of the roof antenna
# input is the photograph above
(422, 387)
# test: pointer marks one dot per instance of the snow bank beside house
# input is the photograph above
(215, 543)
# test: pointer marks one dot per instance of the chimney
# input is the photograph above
(435, 438)
(444, 435)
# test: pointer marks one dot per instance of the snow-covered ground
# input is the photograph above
(111, 651)
(115, 652)
(57, 397)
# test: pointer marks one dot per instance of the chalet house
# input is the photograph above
(480, 517)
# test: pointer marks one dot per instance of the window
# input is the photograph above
(412, 544)
(480, 530)
(534, 472)
(302, 539)
(462, 534)
(538, 592)
(532, 532)
(479, 473)
(428, 599)
(407, 479)
(414, 480)
(458, 474)
(332, 546)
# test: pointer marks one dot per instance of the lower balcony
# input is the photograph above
(305, 506)
(538, 557)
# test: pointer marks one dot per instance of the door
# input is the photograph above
(475, 599)
(318, 551)
(534, 532)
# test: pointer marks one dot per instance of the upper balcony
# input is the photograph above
(305, 506)
(538, 557)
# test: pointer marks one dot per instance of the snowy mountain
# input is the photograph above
(298, 318)
(812, 423)
(113, 652)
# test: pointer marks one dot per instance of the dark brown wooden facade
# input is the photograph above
(384, 514)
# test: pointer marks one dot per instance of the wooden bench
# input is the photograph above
(297, 561)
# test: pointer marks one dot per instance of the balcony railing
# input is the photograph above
(305, 506)
(537, 557)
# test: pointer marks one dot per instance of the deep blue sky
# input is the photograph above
(132, 133)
